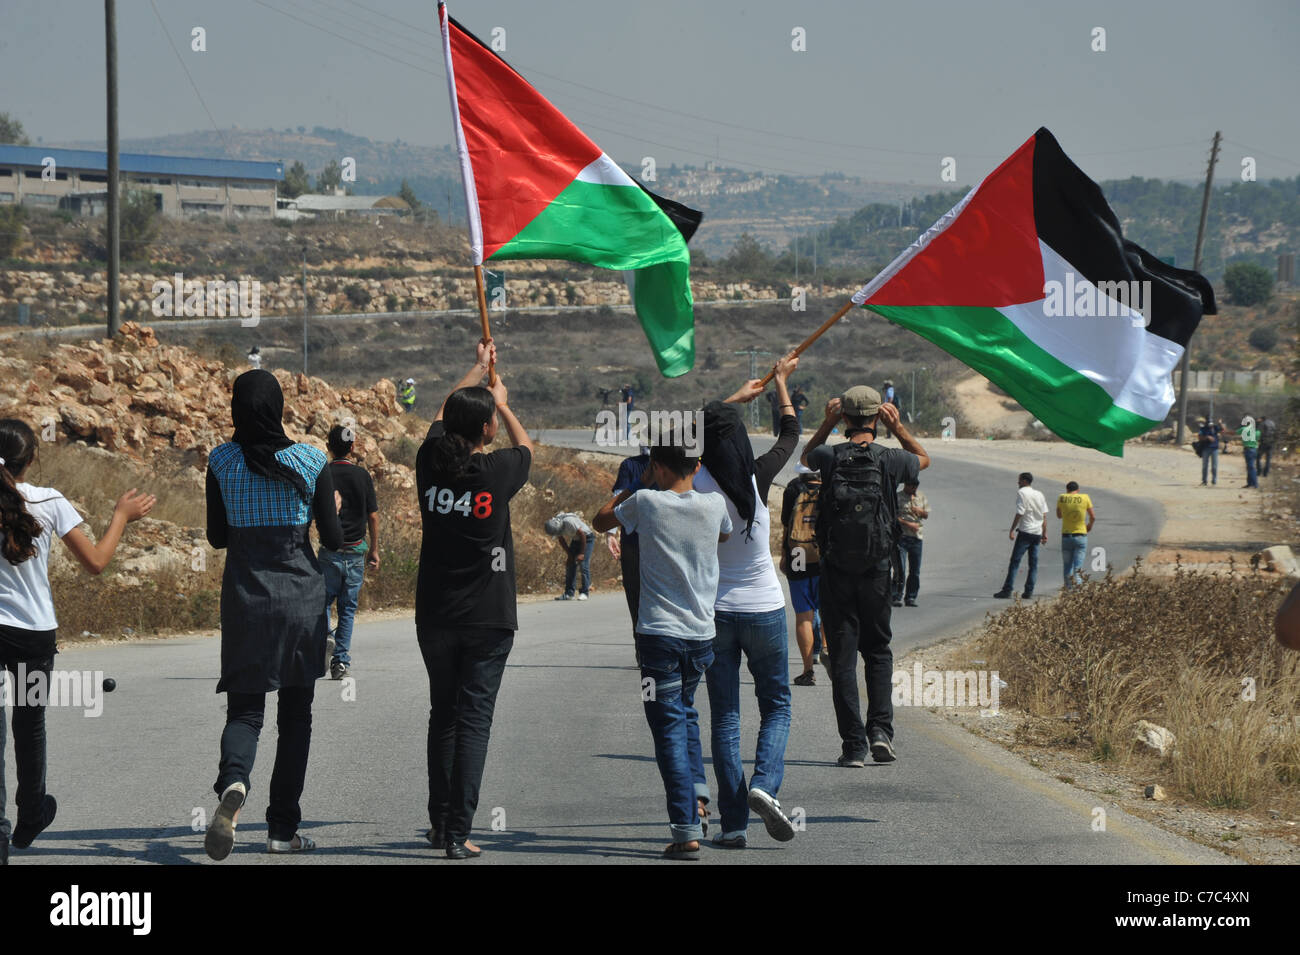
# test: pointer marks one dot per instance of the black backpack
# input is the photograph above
(854, 524)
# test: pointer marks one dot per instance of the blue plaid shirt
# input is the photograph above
(252, 500)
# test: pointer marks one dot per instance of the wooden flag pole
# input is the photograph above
(813, 337)
(483, 316)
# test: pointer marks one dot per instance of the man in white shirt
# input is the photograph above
(578, 540)
(1028, 530)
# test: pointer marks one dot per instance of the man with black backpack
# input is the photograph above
(857, 534)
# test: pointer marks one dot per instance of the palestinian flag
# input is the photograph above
(1029, 281)
(537, 188)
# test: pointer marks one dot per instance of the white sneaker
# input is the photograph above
(769, 810)
(220, 838)
(582, 596)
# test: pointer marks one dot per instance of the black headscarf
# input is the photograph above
(257, 406)
(730, 458)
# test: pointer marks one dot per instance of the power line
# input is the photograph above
(225, 145)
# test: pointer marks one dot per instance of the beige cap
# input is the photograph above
(860, 402)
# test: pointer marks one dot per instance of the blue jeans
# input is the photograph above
(1210, 460)
(344, 573)
(1074, 548)
(909, 556)
(1024, 542)
(573, 564)
(1252, 456)
(762, 638)
(674, 668)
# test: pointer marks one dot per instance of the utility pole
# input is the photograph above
(304, 310)
(796, 260)
(114, 192)
(753, 354)
(1196, 267)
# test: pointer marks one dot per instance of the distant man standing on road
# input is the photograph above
(1077, 517)
(856, 534)
(800, 401)
(913, 509)
(1249, 434)
(1267, 436)
(255, 357)
(1028, 530)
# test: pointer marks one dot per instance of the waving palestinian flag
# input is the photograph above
(1029, 281)
(537, 188)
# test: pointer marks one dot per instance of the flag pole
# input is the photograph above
(483, 316)
(813, 337)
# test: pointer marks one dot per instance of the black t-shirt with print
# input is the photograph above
(467, 555)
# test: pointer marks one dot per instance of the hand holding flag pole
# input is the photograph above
(483, 317)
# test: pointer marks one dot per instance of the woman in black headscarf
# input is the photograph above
(263, 492)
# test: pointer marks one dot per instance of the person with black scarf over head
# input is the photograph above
(749, 613)
(263, 492)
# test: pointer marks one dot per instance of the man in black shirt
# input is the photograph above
(344, 569)
(855, 593)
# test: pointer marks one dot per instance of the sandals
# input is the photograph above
(282, 846)
(683, 852)
(220, 838)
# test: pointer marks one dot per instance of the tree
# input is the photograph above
(11, 229)
(748, 256)
(1264, 338)
(11, 131)
(329, 177)
(296, 181)
(137, 225)
(407, 195)
(1248, 283)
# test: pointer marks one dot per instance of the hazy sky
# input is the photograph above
(884, 90)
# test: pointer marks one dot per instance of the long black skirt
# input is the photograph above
(273, 622)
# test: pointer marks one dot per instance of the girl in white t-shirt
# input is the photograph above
(30, 519)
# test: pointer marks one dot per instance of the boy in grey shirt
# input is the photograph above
(679, 530)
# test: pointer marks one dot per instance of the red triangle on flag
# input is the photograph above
(988, 256)
(523, 152)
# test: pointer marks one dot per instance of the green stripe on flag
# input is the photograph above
(614, 227)
(1076, 408)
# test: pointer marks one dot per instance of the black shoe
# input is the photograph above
(898, 602)
(459, 850)
(1027, 595)
(779, 827)
(806, 678)
(852, 760)
(731, 842)
(1003, 594)
(25, 832)
(909, 603)
(882, 750)
(437, 838)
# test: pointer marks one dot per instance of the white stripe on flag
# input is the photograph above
(466, 167)
(605, 172)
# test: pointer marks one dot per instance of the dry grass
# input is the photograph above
(1193, 653)
(168, 601)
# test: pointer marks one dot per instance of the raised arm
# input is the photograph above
(485, 355)
(518, 436)
(823, 430)
(605, 519)
(889, 415)
(131, 506)
(769, 464)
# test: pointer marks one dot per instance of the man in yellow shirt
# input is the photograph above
(1077, 517)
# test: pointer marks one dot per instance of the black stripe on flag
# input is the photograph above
(1074, 219)
(685, 218)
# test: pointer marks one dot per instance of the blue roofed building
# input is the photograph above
(182, 186)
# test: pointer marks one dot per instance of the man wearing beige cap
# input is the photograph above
(857, 532)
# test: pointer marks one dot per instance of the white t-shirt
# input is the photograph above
(747, 581)
(1032, 508)
(25, 598)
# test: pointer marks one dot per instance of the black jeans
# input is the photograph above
(909, 556)
(630, 564)
(465, 668)
(855, 620)
(29, 733)
(244, 716)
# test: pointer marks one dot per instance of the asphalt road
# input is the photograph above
(571, 775)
